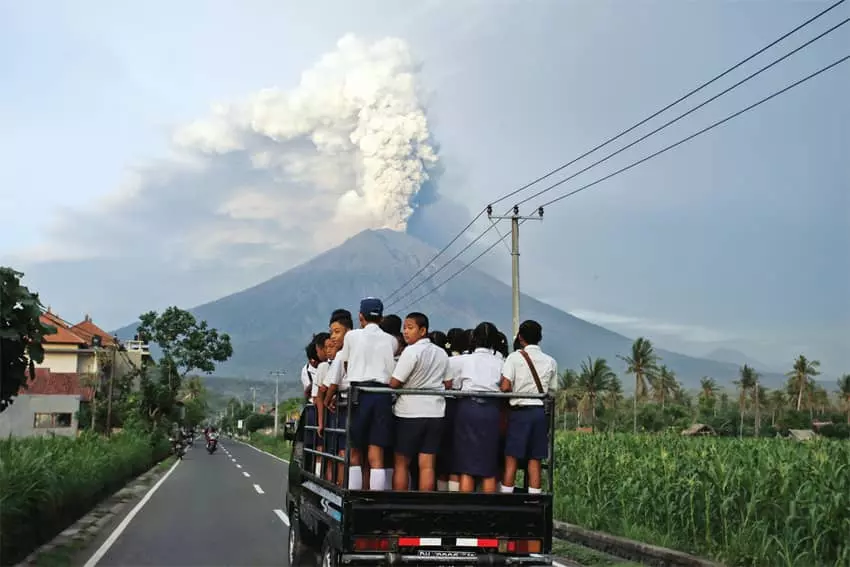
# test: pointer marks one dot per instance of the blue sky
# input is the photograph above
(739, 239)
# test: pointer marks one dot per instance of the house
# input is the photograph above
(48, 405)
(802, 434)
(699, 430)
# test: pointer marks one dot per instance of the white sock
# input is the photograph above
(454, 486)
(377, 479)
(318, 469)
(506, 489)
(389, 483)
(355, 478)
(534, 490)
(442, 485)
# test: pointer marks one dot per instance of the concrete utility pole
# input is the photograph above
(277, 374)
(109, 395)
(515, 218)
(253, 399)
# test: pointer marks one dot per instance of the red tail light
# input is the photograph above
(372, 544)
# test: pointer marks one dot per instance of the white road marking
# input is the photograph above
(113, 537)
(232, 459)
(246, 474)
(258, 489)
(283, 517)
(238, 466)
(265, 452)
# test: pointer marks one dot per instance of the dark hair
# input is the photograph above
(440, 339)
(420, 319)
(310, 350)
(320, 338)
(486, 335)
(517, 346)
(470, 340)
(458, 340)
(531, 332)
(502, 347)
(391, 325)
(371, 318)
(343, 317)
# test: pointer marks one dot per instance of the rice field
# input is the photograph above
(47, 483)
(765, 502)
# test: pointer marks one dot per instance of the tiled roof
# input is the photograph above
(63, 334)
(48, 383)
(87, 329)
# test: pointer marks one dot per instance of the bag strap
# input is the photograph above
(533, 371)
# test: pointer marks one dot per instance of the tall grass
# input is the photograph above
(770, 502)
(47, 483)
(275, 445)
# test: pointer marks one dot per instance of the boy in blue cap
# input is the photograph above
(369, 354)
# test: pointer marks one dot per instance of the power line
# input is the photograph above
(610, 140)
(607, 157)
(643, 160)
(691, 111)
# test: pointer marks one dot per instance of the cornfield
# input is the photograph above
(769, 502)
(47, 483)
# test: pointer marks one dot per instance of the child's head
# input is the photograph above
(391, 324)
(502, 347)
(371, 311)
(530, 333)
(312, 355)
(458, 340)
(439, 338)
(319, 340)
(415, 327)
(330, 348)
(486, 335)
(340, 324)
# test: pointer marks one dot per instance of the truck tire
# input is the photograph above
(297, 549)
(330, 555)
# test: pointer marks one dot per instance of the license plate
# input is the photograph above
(447, 554)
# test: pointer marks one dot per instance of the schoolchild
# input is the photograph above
(457, 341)
(336, 394)
(419, 419)
(528, 371)
(502, 347)
(369, 354)
(476, 442)
(391, 324)
(310, 417)
(440, 339)
(320, 343)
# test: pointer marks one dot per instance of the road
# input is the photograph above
(221, 509)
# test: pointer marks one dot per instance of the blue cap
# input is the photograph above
(372, 306)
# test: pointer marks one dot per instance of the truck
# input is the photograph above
(362, 527)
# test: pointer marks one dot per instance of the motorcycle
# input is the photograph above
(212, 444)
(178, 448)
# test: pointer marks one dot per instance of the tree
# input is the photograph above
(614, 395)
(844, 394)
(801, 376)
(643, 364)
(663, 384)
(594, 377)
(747, 381)
(190, 344)
(708, 394)
(21, 334)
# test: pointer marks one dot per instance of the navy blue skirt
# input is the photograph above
(311, 419)
(445, 457)
(476, 440)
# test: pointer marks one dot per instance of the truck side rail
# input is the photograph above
(352, 400)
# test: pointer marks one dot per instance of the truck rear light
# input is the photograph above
(520, 546)
(372, 544)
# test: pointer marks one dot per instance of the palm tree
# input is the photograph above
(193, 389)
(663, 384)
(708, 393)
(595, 377)
(565, 398)
(643, 364)
(844, 394)
(747, 381)
(614, 394)
(777, 402)
(801, 375)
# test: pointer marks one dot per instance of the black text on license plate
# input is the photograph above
(447, 554)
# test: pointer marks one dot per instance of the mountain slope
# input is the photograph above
(270, 323)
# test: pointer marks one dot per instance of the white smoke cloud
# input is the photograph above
(275, 178)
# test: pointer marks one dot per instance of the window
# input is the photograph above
(51, 420)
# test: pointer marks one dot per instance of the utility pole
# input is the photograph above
(109, 399)
(515, 218)
(277, 374)
(253, 399)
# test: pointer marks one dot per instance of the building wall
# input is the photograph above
(59, 358)
(86, 363)
(18, 420)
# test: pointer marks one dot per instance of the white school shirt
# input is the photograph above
(336, 375)
(517, 372)
(422, 366)
(308, 380)
(370, 353)
(319, 377)
(455, 367)
(480, 371)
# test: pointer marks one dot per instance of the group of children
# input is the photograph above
(448, 443)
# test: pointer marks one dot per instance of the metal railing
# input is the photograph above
(352, 401)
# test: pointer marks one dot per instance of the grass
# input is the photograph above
(586, 557)
(277, 446)
(769, 502)
(46, 483)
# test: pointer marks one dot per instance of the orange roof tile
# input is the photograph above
(47, 383)
(63, 335)
(87, 329)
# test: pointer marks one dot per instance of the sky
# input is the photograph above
(172, 153)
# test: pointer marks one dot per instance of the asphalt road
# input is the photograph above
(223, 509)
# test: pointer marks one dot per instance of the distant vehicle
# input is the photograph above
(394, 528)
